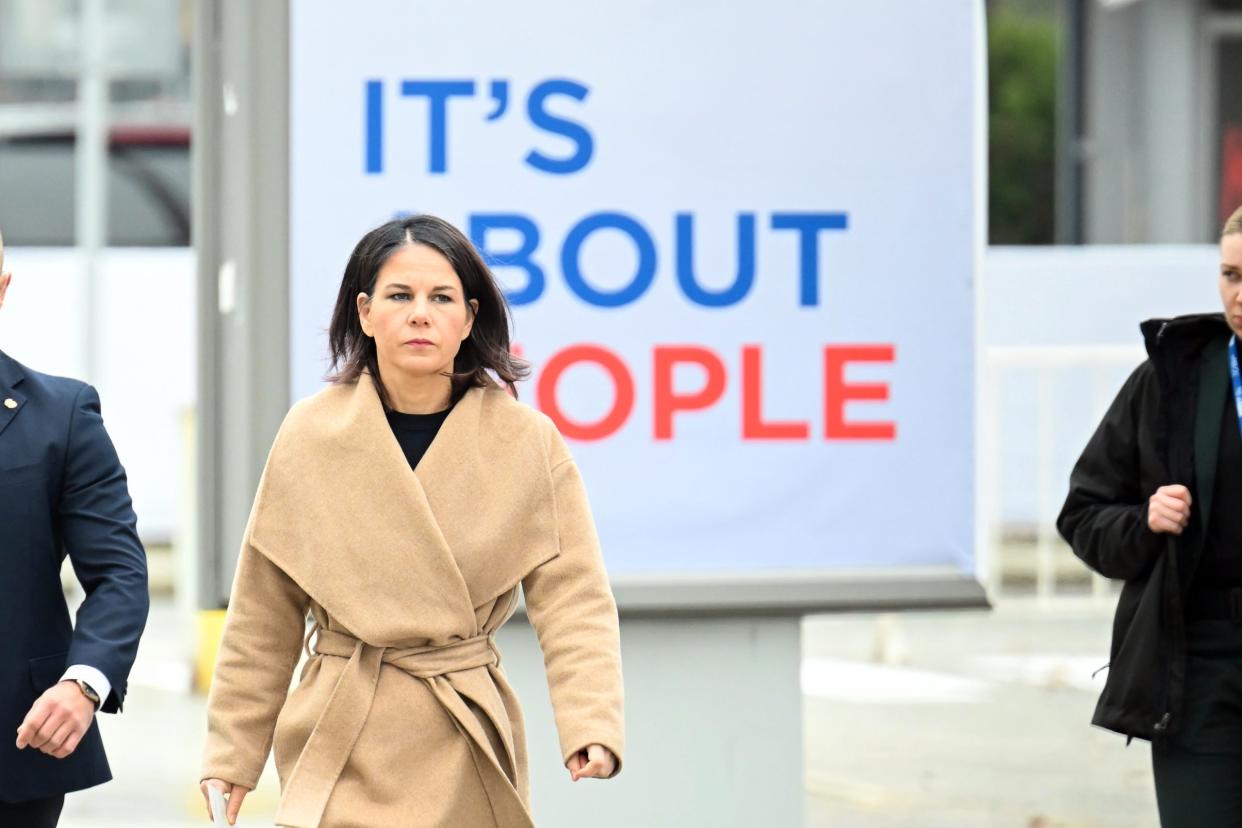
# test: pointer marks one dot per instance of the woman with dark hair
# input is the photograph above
(1156, 501)
(402, 507)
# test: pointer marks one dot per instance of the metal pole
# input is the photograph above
(1045, 445)
(1069, 123)
(241, 241)
(990, 499)
(91, 160)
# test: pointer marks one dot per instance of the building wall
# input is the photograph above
(1145, 165)
(1153, 126)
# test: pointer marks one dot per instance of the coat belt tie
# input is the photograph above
(332, 740)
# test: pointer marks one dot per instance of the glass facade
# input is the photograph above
(1229, 126)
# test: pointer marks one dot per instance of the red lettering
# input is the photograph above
(837, 392)
(623, 392)
(667, 400)
(753, 425)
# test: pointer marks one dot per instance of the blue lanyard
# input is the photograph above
(1236, 375)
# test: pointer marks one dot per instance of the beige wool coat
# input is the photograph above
(402, 715)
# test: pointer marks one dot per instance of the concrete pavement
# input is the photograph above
(953, 720)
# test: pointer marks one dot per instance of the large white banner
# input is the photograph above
(740, 242)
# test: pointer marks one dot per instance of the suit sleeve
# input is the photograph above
(571, 606)
(1104, 518)
(260, 647)
(100, 536)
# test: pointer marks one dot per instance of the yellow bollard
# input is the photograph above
(210, 631)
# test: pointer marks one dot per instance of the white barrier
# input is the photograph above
(1072, 387)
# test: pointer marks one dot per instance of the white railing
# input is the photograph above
(1058, 423)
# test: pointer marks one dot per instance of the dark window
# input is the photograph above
(148, 190)
(1229, 120)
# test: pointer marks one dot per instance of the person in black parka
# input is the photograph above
(1156, 501)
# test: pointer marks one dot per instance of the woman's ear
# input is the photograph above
(364, 313)
(470, 317)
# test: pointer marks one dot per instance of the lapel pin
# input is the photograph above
(10, 403)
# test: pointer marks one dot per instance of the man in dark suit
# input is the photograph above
(62, 491)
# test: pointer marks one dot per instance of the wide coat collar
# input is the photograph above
(398, 557)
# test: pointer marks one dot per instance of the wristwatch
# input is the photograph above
(89, 692)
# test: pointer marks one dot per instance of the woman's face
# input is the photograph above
(417, 313)
(1231, 280)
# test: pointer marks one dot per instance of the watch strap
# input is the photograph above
(89, 692)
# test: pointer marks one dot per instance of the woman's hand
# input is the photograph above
(592, 762)
(1168, 510)
(234, 793)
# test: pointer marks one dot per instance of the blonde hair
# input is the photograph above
(1233, 225)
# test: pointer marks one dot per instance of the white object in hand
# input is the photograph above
(218, 807)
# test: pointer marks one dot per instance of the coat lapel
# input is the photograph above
(486, 481)
(1211, 401)
(398, 556)
(339, 510)
(11, 400)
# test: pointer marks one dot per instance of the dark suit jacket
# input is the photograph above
(62, 491)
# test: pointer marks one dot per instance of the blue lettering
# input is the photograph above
(437, 94)
(572, 250)
(500, 94)
(745, 263)
(559, 126)
(375, 127)
(481, 223)
(808, 226)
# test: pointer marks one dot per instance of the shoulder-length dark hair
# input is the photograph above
(487, 347)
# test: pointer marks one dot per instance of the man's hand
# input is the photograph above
(592, 762)
(1168, 510)
(57, 721)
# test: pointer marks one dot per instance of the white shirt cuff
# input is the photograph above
(92, 677)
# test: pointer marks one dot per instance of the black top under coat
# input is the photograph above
(414, 432)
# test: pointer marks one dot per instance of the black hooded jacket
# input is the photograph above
(1163, 429)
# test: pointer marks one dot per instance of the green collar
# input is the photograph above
(1213, 369)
